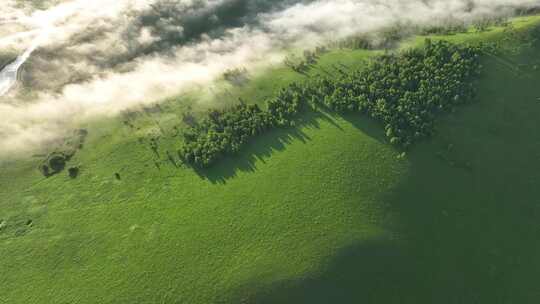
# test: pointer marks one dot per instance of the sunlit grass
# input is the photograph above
(323, 213)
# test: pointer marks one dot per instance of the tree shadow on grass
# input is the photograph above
(367, 125)
(262, 147)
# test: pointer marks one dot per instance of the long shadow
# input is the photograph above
(367, 125)
(262, 147)
(373, 272)
(463, 234)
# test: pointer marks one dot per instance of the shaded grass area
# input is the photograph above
(468, 210)
(323, 213)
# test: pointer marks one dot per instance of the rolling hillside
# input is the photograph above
(326, 212)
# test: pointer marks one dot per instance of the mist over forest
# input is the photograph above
(94, 58)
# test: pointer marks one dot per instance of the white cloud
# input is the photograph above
(108, 90)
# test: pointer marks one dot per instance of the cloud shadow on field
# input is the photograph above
(460, 235)
(384, 268)
(457, 241)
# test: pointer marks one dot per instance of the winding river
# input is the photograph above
(8, 76)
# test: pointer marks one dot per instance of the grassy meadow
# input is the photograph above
(323, 213)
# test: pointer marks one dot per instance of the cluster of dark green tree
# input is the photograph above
(406, 91)
(403, 91)
(222, 132)
(225, 131)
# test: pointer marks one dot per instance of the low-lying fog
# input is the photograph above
(88, 58)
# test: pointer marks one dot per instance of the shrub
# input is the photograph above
(73, 172)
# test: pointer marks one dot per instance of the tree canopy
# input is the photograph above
(404, 92)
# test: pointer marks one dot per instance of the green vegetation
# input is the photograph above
(323, 212)
(223, 132)
(56, 161)
(404, 92)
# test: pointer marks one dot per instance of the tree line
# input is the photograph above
(404, 92)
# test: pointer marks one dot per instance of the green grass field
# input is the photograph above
(322, 213)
